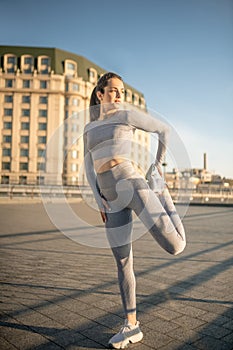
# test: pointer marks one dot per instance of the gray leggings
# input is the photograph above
(127, 191)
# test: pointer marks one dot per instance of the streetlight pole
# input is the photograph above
(164, 164)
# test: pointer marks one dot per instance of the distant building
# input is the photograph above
(39, 89)
(192, 178)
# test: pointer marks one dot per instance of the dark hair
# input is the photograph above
(94, 101)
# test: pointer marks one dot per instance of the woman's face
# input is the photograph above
(114, 92)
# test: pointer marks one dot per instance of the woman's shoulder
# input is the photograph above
(89, 126)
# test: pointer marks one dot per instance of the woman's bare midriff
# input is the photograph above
(108, 165)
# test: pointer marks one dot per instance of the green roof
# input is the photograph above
(58, 57)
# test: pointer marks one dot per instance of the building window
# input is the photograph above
(67, 101)
(128, 95)
(44, 65)
(92, 75)
(11, 59)
(42, 139)
(70, 68)
(142, 102)
(67, 87)
(75, 102)
(44, 71)
(74, 167)
(6, 152)
(135, 99)
(23, 166)
(24, 152)
(74, 115)
(41, 166)
(74, 140)
(42, 112)
(40, 180)
(24, 139)
(26, 99)
(75, 87)
(25, 112)
(10, 63)
(74, 180)
(28, 60)
(42, 126)
(6, 138)
(5, 180)
(43, 100)
(7, 125)
(27, 71)
(22, 180)
(27, 64)
(45, 61)
(74, 127)
(6, 166)
(41, 153)
(26, 84)
(9, 83)
(24, 126)
(10, 70)
(43, 84)
(74, 154)
(8, 112)
(8, 98)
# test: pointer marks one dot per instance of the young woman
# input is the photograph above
(119, 189)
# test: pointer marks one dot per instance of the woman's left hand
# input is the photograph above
(103, 210)
(160, 171)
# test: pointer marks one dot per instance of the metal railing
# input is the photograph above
(205, 196)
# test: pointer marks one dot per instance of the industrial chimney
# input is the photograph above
(205, 161)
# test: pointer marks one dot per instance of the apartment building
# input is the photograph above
(44, 99)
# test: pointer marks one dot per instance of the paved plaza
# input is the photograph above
(60, 294)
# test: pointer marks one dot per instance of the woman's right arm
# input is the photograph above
(146, 122)
(91, 174)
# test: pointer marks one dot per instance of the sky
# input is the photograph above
(178, 53)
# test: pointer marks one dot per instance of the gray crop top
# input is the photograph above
(112, 137)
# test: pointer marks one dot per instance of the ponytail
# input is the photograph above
(94, 106)
(94, 101)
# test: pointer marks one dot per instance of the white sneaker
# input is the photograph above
(128, 334)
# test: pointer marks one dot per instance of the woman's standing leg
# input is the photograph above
(119, 227)
(119, 230)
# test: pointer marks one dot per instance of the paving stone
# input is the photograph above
(215, 319)
(5, 345)
(177, 345)
(192, 311)
(99, 333)
(210, 343)
(188, 322)
(111, 321)
(67, 338)
(72, 321)
(186, 335)
(228, 338)
(155, 340)
(85, 344)
(228, 325)
(21, 336)
(214, 331)
(168, 314)
(160, 325)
